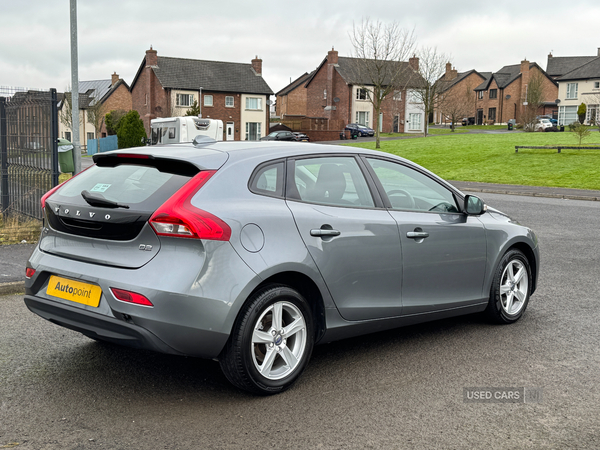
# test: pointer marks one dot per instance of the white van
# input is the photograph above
(169, 130)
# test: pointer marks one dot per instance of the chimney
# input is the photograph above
(332, 56)
(151, 58)
(451, 73)
(257, 65)
(524, 77)
(414, 63)
(115, 78)
(550, 54)
(598, 51)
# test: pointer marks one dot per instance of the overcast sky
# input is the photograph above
(290, 37)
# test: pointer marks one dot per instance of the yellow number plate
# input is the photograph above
(75, 291)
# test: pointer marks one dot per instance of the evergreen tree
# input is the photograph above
(131, 131)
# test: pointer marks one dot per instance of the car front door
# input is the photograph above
(443, 249)
(352, 239)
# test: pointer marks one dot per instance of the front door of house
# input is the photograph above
(229, 131)
(480, 117)
(396, 124)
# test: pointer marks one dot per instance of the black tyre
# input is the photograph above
(271, 342)
(511, 288)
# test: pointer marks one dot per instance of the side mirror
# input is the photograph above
(474, 206)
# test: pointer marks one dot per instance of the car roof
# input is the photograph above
(212, 155)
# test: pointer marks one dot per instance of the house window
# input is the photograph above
(229, 101)
(480, 94)
(184, 99)
(90, 136)
(492, 114)
(253, 103)
(68, 135)
(596, 84)
(493, 93)
(361, 94)
(146, 99)
(208, 100)
(592, 115)
(414, 122)
(398, 95)
(324, 94)
(362, 117)
(572, 90)
(567, 115)
(253, 130)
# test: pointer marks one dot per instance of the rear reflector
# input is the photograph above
(177, 217)
(130, 297)
(29, 272)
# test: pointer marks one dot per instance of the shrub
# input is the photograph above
(113, 121)
(131, 130)
(581, 112)
(581, 132)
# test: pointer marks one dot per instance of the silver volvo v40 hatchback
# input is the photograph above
(253, 252)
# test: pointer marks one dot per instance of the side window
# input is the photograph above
(333, 181)
(408, 189)
(268, 180)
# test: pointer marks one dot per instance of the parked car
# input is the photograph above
(301, 137)
(552, 120)
(468, 121)
(542, 125)
(252, 254)
(279, 136)
(360, 130)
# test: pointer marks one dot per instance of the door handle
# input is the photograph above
(323, 232)
(417, 234)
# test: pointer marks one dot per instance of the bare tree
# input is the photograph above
(379, 51)
(432, 66)
(456, 103)
(66, 116)
(95, 114)
(533, 100)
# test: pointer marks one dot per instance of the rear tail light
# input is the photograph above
(29, 272)
(130, 297)
(177, 217)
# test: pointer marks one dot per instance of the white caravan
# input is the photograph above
(170, 130)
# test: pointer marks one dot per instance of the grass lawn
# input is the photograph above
(491, 158)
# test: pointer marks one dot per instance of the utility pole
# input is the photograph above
(75, 89)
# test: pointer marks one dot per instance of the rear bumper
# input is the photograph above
(97, 326)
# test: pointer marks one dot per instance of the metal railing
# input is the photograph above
(28, 149)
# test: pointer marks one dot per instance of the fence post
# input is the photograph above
(3, 156)
(54, 134)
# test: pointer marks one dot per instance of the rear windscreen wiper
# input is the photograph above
(100, 201)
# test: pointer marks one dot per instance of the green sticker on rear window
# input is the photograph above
(100, 187)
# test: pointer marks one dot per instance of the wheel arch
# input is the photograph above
(531, 258)
(307, 288)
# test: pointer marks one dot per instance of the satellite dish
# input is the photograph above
(269, 102)
(507, 97)
(557, 101)
(336, 99)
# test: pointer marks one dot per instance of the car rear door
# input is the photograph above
(352, 239)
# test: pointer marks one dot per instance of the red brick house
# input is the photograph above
(235, 93)
(111, 93)
(337, 91)
(501, 96)
(457, 93)
(291, 100)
